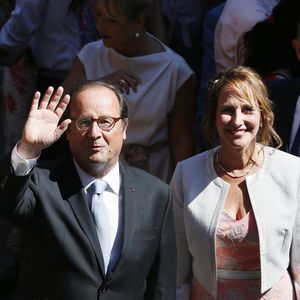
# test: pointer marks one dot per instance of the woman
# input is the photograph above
(158, 83)
(237, 209)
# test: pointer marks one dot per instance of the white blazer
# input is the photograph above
(198, 199)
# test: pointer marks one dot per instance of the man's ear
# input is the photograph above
(125, 125)
(296, 46)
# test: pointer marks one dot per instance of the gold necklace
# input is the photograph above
(228, 173)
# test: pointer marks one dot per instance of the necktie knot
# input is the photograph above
(97, 187)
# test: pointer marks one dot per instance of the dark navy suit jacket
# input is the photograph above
(62, 257)
(284, 94)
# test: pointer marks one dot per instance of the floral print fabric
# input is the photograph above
(237, 249)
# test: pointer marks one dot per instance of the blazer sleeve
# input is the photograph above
(295, 250)
(161, 281)
(17, 202)
(184, 259)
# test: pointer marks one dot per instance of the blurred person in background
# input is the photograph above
(158, 84)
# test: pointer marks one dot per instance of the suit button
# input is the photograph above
(103, 290)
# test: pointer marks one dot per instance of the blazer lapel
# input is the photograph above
(130, 196)
(72, 191)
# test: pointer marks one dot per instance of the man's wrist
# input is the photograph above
(21, 165)
(27, 151)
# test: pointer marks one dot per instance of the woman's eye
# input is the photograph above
(227, 110)
(248, 109)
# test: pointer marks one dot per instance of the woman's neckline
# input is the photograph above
(253, 165)
(144, 53)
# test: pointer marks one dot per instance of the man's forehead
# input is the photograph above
(97, 89)
(95, 93)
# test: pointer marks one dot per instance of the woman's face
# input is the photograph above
(237, 120)
(116, 31)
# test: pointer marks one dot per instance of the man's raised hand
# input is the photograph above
(41, 128)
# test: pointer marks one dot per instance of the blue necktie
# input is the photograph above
(101, 219)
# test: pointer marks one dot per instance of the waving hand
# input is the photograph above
(42, 127)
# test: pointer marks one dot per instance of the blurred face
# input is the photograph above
(237, 120)
(117, 31)
(96, 151)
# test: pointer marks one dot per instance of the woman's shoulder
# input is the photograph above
(92, 46)
(177, 58)
(281, 161)
(195, 173)
(277, 154)
(197, 162)
(91, 53)
(169, 54)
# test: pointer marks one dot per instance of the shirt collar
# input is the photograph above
(112, 178)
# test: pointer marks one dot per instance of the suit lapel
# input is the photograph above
(72, 191)
(130, 197)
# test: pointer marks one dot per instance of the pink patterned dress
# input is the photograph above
(237, 250)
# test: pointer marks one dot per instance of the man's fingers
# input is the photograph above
(35, 101)
(51, 100)
(46, 97)
(62, 127)
(55, 99)
(62, 105)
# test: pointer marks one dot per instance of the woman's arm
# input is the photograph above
(76, 75)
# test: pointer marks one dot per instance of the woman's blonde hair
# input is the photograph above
(246, 83)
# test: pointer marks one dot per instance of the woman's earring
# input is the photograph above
(137, 34)
(260, 125)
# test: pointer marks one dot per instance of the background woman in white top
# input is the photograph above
(158, 83)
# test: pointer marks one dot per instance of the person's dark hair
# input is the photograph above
(74, 5)
(132, 9)
(247, 84)
(98, 83)
(267, 47)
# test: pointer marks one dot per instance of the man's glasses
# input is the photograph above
(104, 123)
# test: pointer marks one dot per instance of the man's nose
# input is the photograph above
(95, 131)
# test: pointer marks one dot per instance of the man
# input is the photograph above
(285, 95)
(62, 256)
